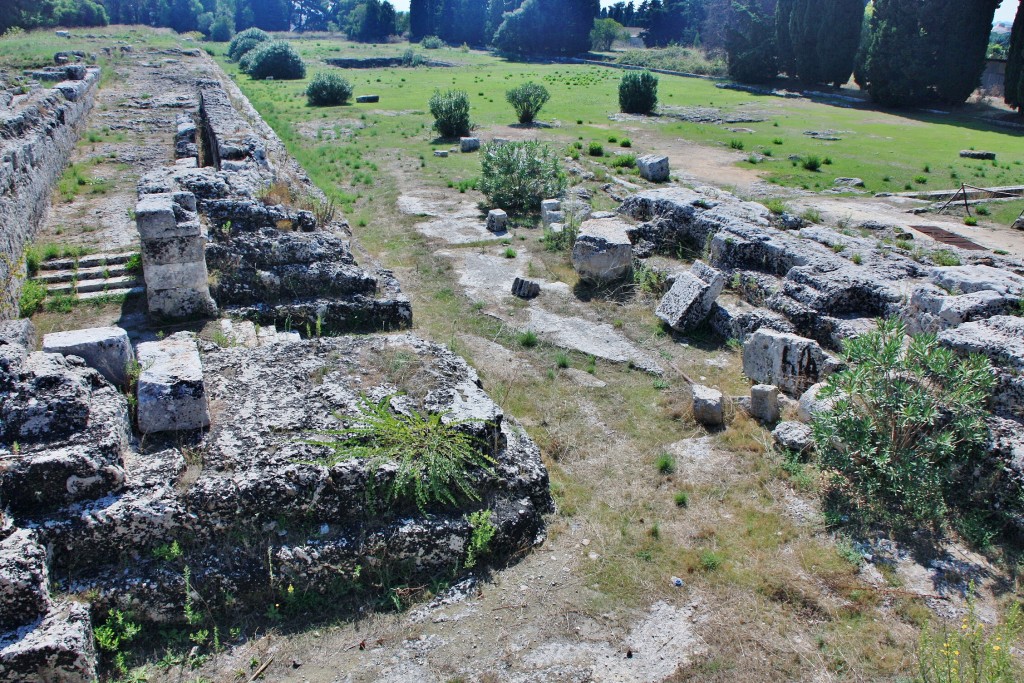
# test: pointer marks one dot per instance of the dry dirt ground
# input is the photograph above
(765, 591)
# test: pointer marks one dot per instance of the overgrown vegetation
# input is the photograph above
(517, 176)
(245, 41)
(434, 456)
(675, 58)
(971, 652)
(905, 423)
(450, 110)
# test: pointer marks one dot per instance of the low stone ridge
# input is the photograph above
(691, 298)
(229, 141)
(825, 285)
(105, 349)
(171, 392)
(602, 253)
(37, 135)
(977, 154)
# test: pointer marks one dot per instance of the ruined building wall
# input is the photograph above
(38, 131)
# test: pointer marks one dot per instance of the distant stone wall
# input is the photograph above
(38, 131)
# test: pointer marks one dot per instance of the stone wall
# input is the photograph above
(38, 131)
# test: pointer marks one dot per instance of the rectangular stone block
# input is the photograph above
(159, 252)
(106, 349)
(24, 580)
(171, 392)
(653, 168)
(166, 214)
(176, 275)
(180, 304)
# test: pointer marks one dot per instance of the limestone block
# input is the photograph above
(691, 297)
(180, 303)
(551, 211)
(793, 436)
(106, 349)
(848, 182)
(440, 153)
(24, 581)
(602, 252)
(172, 250)
(172, 394)
(977, 154)
(366, 99)
(525, 289)
(177, 275)
(789, 361)
(497, 220)
(708, 406)
(810, 405)
(57, 650)
(764, 402)
(653, 167)
(156, 218)
(469, 144)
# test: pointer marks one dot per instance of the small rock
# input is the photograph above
(811, 405)
(708, 406)
(848, 182)
(793, 436)
(497, 220)
(469, 144)
(171, 394)
(602, 253)
(977, 154)
(367, 99)
(440, 153)
(525, 289)
(764, 402)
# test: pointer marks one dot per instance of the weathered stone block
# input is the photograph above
(691, 297)
(190, 275)
(708, 406)
(791, 362)
(156, 218)
(106, 349)
(24, 581)
(551, 211)
(58, 650)
(497, 220)
(602, 253)
(764, 403)
(171, 392)
(469, 144)
(653, 167)
(440, 153)
(810, 405)
(172, 250)
(793, 436)
(367, 99)
(977, 154)
(180, 303)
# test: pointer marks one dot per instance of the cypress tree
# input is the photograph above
(750, 43)
(839, 36)
(421, 19)
(1014, 91)
(805, 22)
(548, 27)
(896, 64)
(958, 33)
(783, 41)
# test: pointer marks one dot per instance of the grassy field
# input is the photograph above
(890, 151)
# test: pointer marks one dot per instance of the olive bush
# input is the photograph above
(638, 92)
(906, 420)
(245, 41)
(517, 176)
(527, 99)
(450, 110)
(276, 59)
(327, 89)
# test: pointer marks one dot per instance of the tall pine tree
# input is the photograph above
(958, 33)
(1014, 92)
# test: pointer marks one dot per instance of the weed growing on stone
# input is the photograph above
(434, 455)
(482, 531)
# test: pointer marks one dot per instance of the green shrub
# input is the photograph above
(450, 110)
(482, 530)
(624, 161)
(509, 252)
(777, 206)
(736, 144)
(638, 92)
(682, 499)
(222, 28)
(665, 463)
(411, 58)
(904, 420)
(811, 163)
(276, 59)
(517, 176)
(944, 257)
(527, 99)
(562, 360)
(970, 220)
(245, 41)
(431, 43)
(528, 339)
(710, 560)
(595, 149)
(32, 295)
(626, 142)
(433, 455)
(328, 89)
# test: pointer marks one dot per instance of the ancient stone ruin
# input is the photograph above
(114, 450)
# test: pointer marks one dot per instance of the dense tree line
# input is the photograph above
(1015, 63)
(453, 21)
(29, 14)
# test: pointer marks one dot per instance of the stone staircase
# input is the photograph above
(90, 276)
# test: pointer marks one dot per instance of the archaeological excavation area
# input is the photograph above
(284, 396)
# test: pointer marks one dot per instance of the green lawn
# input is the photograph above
(890, 151)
